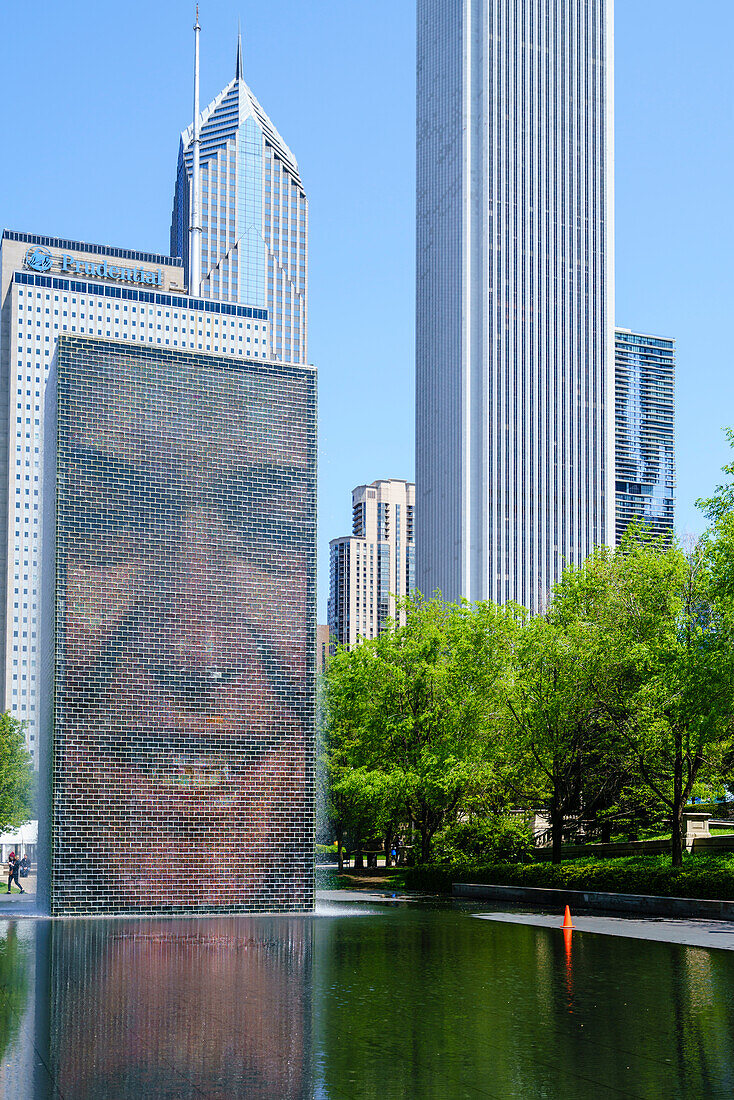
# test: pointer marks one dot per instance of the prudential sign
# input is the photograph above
(40, 259)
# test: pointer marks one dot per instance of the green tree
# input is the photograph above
(558, 750)
(360, 802)
(664, 676)
(418, 706)
(720, 506)
(16, 774)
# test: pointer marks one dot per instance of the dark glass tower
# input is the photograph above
(645, 431)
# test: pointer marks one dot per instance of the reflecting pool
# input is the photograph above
(379, 1000)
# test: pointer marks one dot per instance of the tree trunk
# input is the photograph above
(677, 836)
(339, 852)
(556, 832)
(425, 844)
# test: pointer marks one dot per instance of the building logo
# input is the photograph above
(38, 259)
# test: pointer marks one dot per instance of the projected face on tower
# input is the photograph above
(184, 530)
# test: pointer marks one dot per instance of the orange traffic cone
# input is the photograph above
(567, 923)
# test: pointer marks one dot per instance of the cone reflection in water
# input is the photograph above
(567, 934)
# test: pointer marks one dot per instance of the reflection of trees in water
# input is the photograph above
(424, 1003)
(701, 994)
(436, 1004)
(14, 982)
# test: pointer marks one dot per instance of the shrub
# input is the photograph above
(492, 840)
(701, 876)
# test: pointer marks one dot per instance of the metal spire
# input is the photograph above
(195, 226)
(238, 71)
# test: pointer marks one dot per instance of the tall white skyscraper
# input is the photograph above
(254, 215)
(515, 294)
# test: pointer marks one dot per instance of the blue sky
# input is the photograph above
(95, 94)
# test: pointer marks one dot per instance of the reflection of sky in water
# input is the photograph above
(407, 1002)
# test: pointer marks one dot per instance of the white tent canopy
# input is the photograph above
(22, 841)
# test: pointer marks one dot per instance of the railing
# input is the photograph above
(575, 828)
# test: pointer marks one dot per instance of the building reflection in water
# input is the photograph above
(412, 1001)
(172, 1008)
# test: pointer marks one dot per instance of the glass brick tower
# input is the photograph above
(254, 215)
(178, 640)
(515, 294)
(645, 450)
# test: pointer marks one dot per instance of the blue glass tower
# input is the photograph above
(254, 215)
(645, 431)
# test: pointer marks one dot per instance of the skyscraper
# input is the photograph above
(515, 294)
(48, 287)
(645, 431)
(254, 215)
(375, 564)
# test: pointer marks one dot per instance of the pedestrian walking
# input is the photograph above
(13, 869)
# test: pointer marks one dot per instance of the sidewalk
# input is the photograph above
(636, 905)
(690, 933)
(17, 904)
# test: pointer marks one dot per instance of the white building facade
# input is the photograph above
(254, 215)
(515, 294)
(50, 286)
(375, 565)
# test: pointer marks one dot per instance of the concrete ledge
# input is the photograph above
(636, 847)
(640, 904)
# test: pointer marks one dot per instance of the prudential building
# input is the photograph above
(52, 288)
(515, 294)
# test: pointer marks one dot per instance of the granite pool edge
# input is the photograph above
(639, 904)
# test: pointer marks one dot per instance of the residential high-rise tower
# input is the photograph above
(645, 430)
(373, 565)
(515, 294)
(253, 211)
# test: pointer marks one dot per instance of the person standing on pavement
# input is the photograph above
(13, 868)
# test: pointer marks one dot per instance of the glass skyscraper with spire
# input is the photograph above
(254, 215)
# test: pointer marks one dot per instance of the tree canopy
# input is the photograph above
(615, 704)
(16, 774)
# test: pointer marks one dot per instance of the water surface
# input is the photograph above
(404, 1001)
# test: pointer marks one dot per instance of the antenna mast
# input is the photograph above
(195, 226)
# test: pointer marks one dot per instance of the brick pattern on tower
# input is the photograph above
(183, 616)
